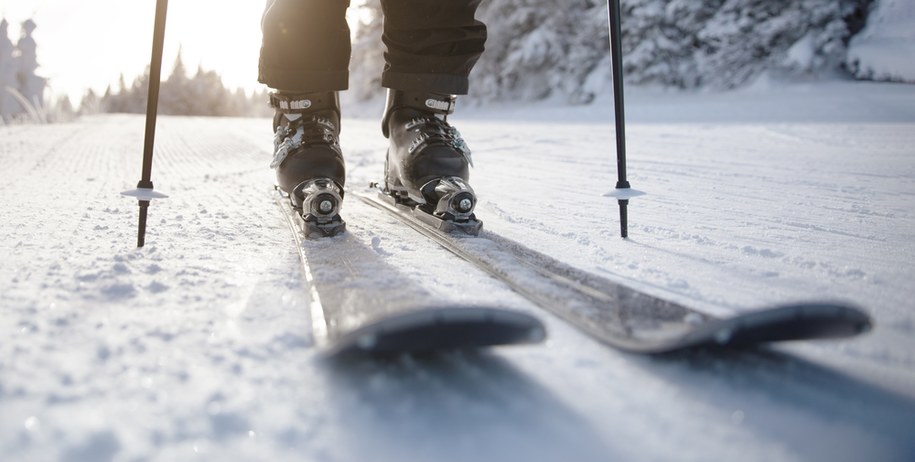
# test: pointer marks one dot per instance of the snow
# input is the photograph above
(885, 49)
(198, 346)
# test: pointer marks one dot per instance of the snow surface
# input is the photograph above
(198, 346)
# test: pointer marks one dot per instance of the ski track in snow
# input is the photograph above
(199, 345)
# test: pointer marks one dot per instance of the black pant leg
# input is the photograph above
(432, 45)
(306, 46)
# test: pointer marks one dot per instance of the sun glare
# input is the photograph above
(219, 35)
(84, 45)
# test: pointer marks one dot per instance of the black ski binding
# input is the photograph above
(448, 206)
(320, 210)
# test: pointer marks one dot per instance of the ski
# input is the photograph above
(621, 316)
(359, 304)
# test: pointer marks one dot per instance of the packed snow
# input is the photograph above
(199, 345)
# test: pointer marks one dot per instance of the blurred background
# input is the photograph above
(60, 58)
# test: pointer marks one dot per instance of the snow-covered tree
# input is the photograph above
(537, 48)
(544, 49)
(90, 104)
(7, 73)
(885, 48)
(175, 95)
(202, 94)
(29, 85)
(659, 41)
(21, 90)
(114, 100)
(61, 110)
(746, 37)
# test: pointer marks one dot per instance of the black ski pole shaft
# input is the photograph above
(152, 103)
(616, 57)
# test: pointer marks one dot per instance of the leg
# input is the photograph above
(306, 46)
(305, 56)
(432, 45)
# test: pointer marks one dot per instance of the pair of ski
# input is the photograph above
(359, 304)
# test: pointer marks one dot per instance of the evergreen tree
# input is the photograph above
(8, 105)
(90, 104)
(202, 94)
(543, 49)
(29, 84)
(174, 95)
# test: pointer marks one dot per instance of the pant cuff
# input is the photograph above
(304, 81)
(446, 84)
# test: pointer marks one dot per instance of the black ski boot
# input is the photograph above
(428, 163)
(308, 160)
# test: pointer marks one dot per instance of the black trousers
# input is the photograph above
(431, 45)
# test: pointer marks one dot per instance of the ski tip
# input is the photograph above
(440, 329)
(799, 321)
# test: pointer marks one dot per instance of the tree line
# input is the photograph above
(199, 94)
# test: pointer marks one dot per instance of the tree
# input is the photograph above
(29, 85)
(202, 94)
(8, 106)
(90, 104)
(540, 49)
(21, 89)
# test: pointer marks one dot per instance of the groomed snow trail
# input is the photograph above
(198, 346)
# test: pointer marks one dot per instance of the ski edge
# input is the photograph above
(315, 308)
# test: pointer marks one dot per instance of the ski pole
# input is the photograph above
(144, 192)
(623, 192)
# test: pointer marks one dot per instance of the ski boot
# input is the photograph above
(428, 163)
(308, 160)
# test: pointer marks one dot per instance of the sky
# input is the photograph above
(89, 43)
